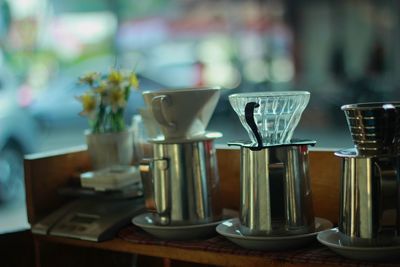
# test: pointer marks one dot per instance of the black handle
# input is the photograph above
(249, 115)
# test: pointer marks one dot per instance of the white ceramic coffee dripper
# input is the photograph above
(182, 113)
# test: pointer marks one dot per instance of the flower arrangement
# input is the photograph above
(105, 100)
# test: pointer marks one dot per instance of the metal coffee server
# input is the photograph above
(181, 181)
(369, 199)
(276, 197)
(370, 182)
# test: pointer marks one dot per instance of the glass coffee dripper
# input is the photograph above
(274, 115)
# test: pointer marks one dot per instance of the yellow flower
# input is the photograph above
(116, 98)
(115, 77)
(89, 104)
(89, 78)
(101, 89)
(106, 99)
(134, 81)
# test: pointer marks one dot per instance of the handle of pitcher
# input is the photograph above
(159, 105)
(155, 179)
(249, 116)
(389, 194)
(162, 190)
(146, 174)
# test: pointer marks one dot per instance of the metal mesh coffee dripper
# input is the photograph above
(275, 187)
(374, 127)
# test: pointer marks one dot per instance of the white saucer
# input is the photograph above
(231, 230)
(331, 239)
(182, 232)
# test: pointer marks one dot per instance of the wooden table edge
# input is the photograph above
(174, 253)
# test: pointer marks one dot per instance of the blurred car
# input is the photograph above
(57, 109)
(18, 136)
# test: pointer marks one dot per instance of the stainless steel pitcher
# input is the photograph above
(276, 196)
(181, 182)
(369, 199)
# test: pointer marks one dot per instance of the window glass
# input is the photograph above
(340, 51)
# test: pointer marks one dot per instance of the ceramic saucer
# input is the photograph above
(231, 230)
(331, 239)
(181, 232)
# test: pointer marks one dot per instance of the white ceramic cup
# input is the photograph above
(182, 113)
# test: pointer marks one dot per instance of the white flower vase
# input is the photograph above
(110, 149)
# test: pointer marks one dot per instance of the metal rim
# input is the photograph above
(293, 142)
(182, 89)
(270, 94)
(198, 138)
(372, 106)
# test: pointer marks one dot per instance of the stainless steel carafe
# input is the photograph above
(276, 196)
(369, 199)
(181, 182)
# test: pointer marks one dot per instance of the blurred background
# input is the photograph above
(342, 51)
